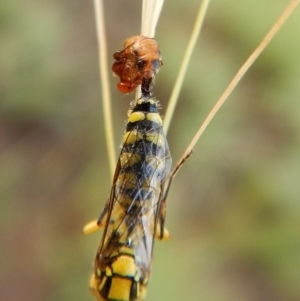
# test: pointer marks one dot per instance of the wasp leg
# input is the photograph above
(96, 225)
(161, 232)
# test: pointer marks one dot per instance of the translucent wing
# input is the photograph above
(136, 195)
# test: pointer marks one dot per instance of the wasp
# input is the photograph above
(135, 211)
(134, 214)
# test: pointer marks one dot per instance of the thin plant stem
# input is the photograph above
(104, 75)
(266, 40)
(187, 56)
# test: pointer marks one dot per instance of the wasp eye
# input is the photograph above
(140, 64)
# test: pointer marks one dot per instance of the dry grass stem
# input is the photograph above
(266, 40)
(187, 56)
(104, 75)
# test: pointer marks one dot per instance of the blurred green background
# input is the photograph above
(234, 208)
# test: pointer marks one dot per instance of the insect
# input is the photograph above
(134, 214)
(139, 61)
(135, 210)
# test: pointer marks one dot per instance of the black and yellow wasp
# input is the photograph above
(135, 210)
(134, 214)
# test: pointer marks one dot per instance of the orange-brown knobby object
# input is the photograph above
(138, 62)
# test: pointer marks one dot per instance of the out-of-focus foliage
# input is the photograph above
(234, 208)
